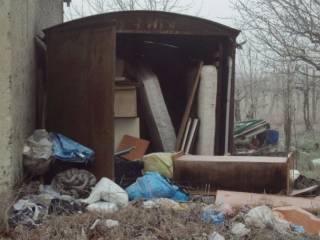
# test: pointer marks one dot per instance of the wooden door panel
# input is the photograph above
(80, 89)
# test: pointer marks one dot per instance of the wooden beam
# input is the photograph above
(187, 111)
(240, 199)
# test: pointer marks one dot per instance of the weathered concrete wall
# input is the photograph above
(21, 21)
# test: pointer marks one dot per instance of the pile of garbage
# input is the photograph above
(163, 218)
(75, 205)
(151, 208)
(254, 136)
(42, 149)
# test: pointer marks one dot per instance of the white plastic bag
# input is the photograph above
(263, 217)
(239, 230)
(108, 191)
(102, 207)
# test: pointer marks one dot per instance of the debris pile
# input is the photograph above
(254, 137)
(74, 204)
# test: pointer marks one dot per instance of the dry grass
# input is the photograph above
(137, 223)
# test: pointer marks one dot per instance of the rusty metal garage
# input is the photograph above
(81, 59)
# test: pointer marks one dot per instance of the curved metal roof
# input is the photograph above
(156, 22)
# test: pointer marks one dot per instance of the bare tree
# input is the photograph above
(287, 28)
(286, 34)
(81, 8)
(249, 80)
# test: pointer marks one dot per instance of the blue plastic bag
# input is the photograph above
(214, 217)
(153, 185)
(297, 228)
(67, 150)
(272, 137)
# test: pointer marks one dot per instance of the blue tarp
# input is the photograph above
(153, 185)
(272, 137)
(68, 150)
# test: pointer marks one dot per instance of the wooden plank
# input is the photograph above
(304, 191)
(139, 144)
(240, 199)
(192, 135)
(232, 159)
(251, 174)
(189, 105)
(185, 136)
(80, 89)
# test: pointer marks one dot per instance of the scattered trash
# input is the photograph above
(304, 191)
(102, 207)
(74, 182)
(202, 199)
(64, 207)
(211, 215)
(28, 212)
(109, 223)
(159, 162)
(164, 203)
(259, 217)
(294, 175)
(303, 182)
(300, 217)
(296, 228)
(263, 217)
(68, 150)
(226, 209)
(140, 147)
(254, 136)
(239, 230)
(107, 191)
(47, 190)
(215, 236)
(37, 153)
(153, 185)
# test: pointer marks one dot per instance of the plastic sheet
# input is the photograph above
(68, 150)
(153, 185)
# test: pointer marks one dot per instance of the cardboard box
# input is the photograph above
(125, 126)
(125, 102)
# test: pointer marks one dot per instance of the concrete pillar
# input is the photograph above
(21, 21)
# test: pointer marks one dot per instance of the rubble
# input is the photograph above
(239, 230)
(215, 236)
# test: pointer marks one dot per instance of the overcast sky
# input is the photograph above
(216, 10)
